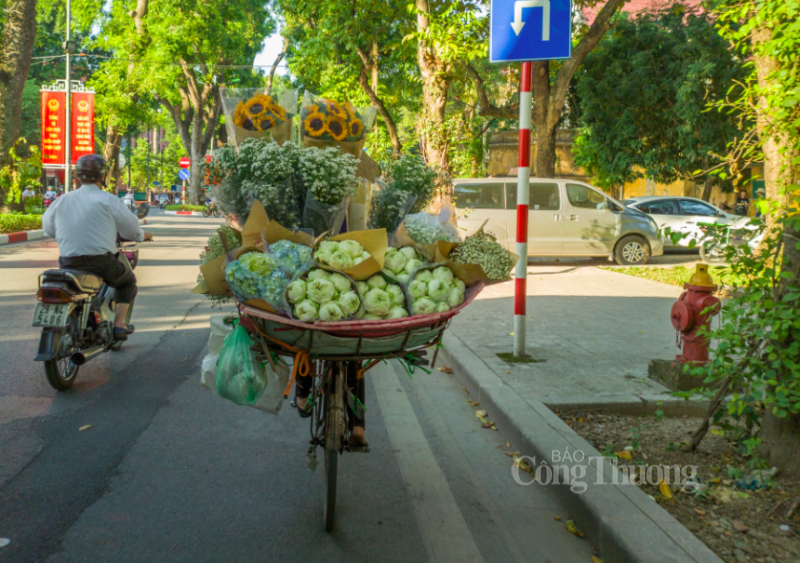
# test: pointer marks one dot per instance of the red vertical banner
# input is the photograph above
(82, 124)
(54, 123)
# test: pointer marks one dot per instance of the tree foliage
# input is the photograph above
(758, 356)
(643, 97)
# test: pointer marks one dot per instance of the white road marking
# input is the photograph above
(444, 532)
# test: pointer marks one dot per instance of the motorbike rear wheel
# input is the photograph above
(61, 373)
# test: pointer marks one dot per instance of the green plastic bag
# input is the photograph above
(240, 377)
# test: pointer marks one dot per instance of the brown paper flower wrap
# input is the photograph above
(375, 242)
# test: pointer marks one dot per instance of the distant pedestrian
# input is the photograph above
(742, 204)
(760, 206)
(49, 197)
(28, 193)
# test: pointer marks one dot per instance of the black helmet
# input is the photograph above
(91, 168)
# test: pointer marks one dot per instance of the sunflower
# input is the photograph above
(266, 122)
(351, 111)
(356, 128)
(337, 127)
(258, 104)
(335, 109)
(278, 111)
(239, 115)
(314, 124)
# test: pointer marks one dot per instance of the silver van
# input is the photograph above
(565, 218)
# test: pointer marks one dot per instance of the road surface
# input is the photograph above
(168, 471)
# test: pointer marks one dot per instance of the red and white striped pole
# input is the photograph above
(523, 180)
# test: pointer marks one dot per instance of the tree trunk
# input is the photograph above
(372, 94)
(16, 50)
(111, 154)
(708, 185)
(780, 442)
(436, 79)
(780, 436)
(275, 64)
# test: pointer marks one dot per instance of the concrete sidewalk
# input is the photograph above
(594, 332)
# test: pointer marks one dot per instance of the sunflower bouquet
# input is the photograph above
(325, 122)
(252, 113)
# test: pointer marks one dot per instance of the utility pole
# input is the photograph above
(68, 121)
(149, 148)
(130, 164)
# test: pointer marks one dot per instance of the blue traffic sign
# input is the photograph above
(183, 173)
(530, 30)
(156, 183)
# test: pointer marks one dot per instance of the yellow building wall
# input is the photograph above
(638, 188)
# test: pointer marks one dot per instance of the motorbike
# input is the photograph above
(718, 238)
(76, 313)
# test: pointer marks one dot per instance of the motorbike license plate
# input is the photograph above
(51, 315)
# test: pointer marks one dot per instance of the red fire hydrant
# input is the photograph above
(694, 310)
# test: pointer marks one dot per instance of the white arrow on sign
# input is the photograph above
(518, 24)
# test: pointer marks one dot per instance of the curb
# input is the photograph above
(23, 236)
(195, 213)
(621, 521)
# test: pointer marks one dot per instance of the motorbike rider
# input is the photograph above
(85, 223)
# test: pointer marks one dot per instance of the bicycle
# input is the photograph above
(327, 352)
(211, 209)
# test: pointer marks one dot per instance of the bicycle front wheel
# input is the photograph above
(334, 431)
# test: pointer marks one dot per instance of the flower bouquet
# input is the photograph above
(388, 207)
(252, 113)
(326, 123)
(323, 295)
(330, 179)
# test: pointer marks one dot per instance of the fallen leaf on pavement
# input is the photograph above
(624, 455)
(508, 444)
(519, 462)
(480, 414)
(487, 424)
(665, 490)
(509, 454)
(596, 559)
(183, 360)
(572, 528)
(473, 403)
(558, 518)
(464, 389)
(86, 427)
(700, 512)
(445, 369)
(493, 427)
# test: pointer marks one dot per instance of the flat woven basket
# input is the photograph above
(357, 338)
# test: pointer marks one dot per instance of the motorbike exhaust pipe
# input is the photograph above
(83, 356)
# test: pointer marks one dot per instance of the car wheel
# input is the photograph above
(631, 251)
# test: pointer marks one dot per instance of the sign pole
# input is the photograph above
(523, 182)
(68, 120)
(183, 196)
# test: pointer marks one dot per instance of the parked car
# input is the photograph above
(682, 214)
(565, 218)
